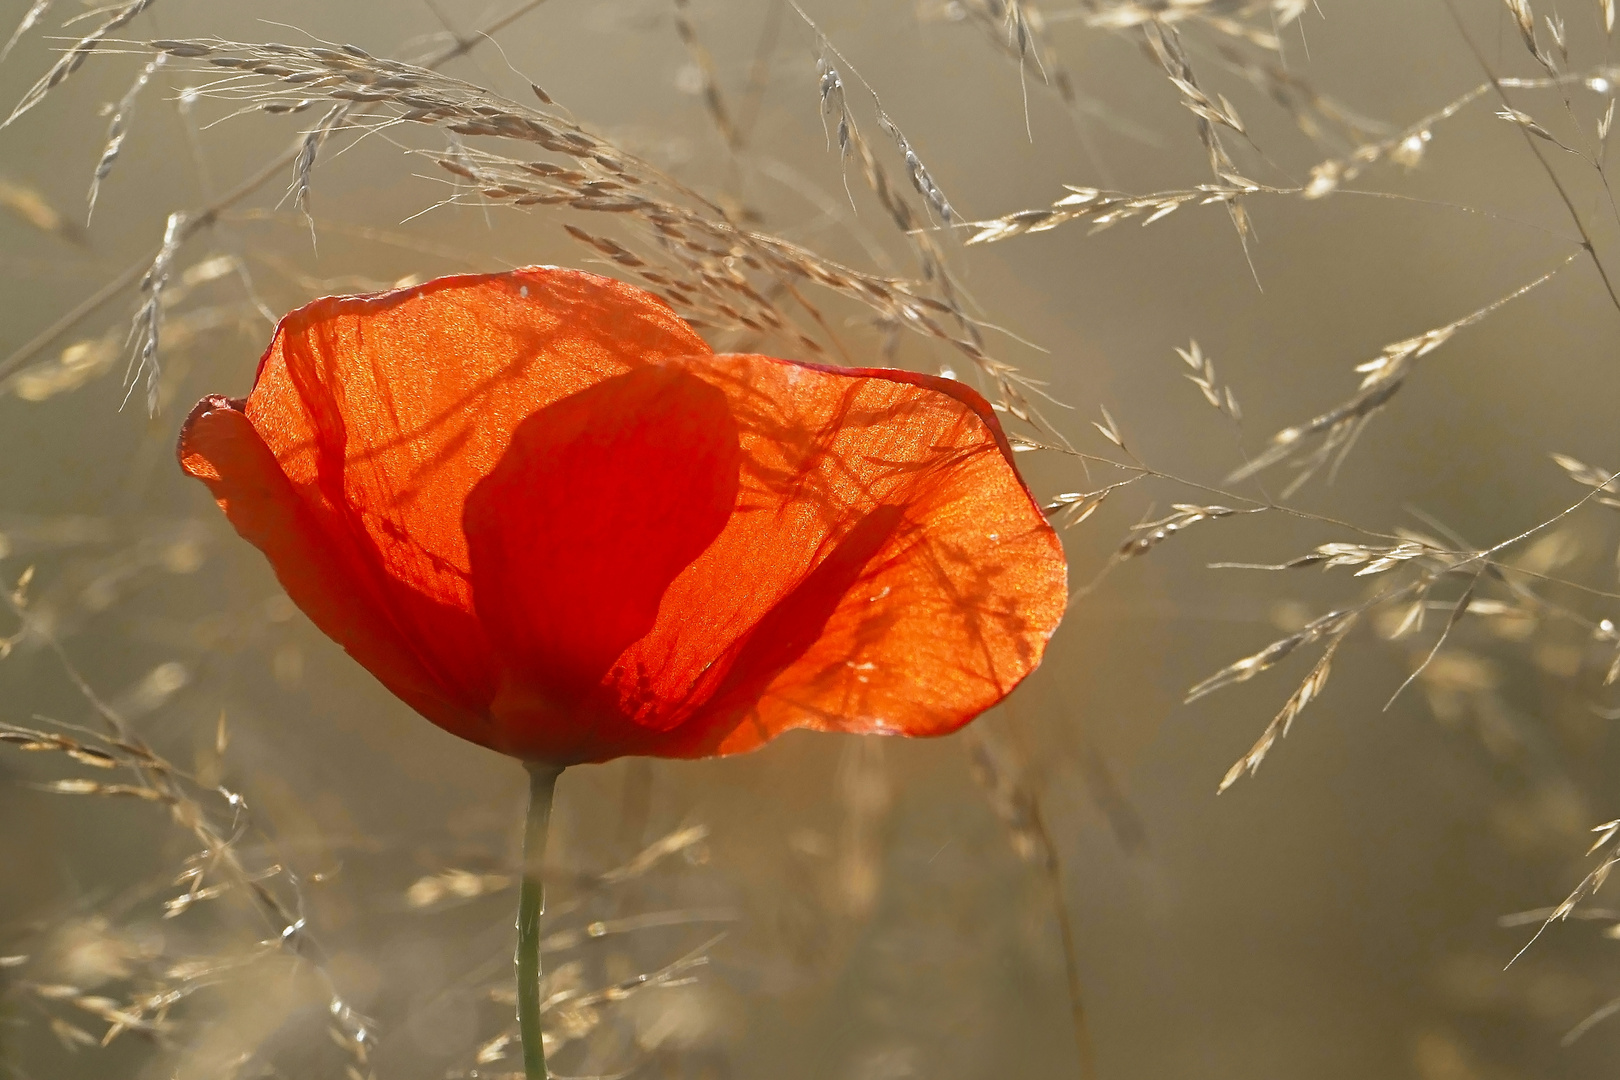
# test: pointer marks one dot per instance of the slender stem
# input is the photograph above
(1530, 141)
(531, 902)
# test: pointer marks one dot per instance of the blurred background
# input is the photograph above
(834, 907)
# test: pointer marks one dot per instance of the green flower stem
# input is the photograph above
(531, 902)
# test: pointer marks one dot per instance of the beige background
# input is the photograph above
(1335, 916)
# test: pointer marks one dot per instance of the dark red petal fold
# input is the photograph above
(600, 501)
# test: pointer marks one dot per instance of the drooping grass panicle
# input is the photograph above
(146, 333)
(716, 262)
(74, 58)
(1307, 691)
(1588, 245)
(309, 149)
(935, 272)
(1211, 114)
(205, 217)
(117, 131)
(1334, 431)
(1101, 209)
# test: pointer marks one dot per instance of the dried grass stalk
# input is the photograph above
(1335, 430)
(75, 57)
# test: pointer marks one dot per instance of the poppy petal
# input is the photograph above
(384, 412)
(886, 569)
(599, 502)
(789, 629)
(219, 446)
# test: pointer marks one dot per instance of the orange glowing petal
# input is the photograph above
(543, 513)
(886, 570)
(381, 413)
(337, 586)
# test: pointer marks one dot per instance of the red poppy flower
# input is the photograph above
(543, 513)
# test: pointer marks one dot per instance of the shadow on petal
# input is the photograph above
(334, 581)
(600, 501)
(788, 630)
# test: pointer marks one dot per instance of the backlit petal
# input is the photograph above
(600, 501)
(337, 586)
(542, 512)
(384, 411)
(886, 570)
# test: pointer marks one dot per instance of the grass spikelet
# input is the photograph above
(1307, 691)
(1202, 376)
(1525, 20)
(117, 130)
(1109, 428)
(1335, 431)
(1333, 624)
(1600, 480)
(1528, 123)
(75, 57)
(1150, 534)
(36, 11)
(1077, 506)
